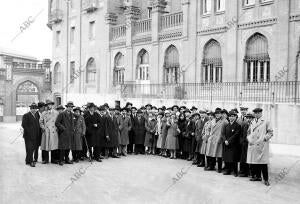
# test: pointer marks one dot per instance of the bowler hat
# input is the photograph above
(133, 108)
(232, 113)
(194, 108)
(128, 103)
(70, 104)
(175, 106)
(148, 105)
(235, 110)
(90, 105)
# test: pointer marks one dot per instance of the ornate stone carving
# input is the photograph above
(214, 30)
(295, 17)
(111, 18)
(158, 5)
(252, 24)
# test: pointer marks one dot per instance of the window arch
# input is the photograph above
(171, 65)
(27, 92)
(91, 71)
(212, 62)
(119, 68)
(142, 72)
(57, 74)
(257, 60)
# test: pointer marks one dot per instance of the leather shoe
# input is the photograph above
(45, 162)
(226, 173)
(98, 160)
(54, 162)
(267, 183)
(243, 175)
(115, 156)
(32, 164)
(61, 163)
(255, 179)
(68, 162)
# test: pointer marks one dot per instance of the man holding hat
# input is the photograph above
(65, 125)
(260, 133)
(49, 134)
(31, 126)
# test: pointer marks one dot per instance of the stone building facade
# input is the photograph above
(23, 80)
(145, 48)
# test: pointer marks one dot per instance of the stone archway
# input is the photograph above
(26, 93)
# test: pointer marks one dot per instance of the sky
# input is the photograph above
(36, 39)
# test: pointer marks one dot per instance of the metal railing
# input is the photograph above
(262, 92)
(118, 31)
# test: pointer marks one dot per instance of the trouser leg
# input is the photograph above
(219, 159)
(66, 155)
(45, 155)
(264, 169)
(36, 153)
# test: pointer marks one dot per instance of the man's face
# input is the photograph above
(92, 109)
(60, 110)
(232, 118)
(257, 115)
(175, 109)
(243, 112)
(134, 111)
(33, 110)
(77, 112)
(69, 108)
(218, 115)
(202, 115)
(124, 112)
(50, 107)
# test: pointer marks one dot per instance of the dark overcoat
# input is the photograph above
(80, 130)
(112, 130)
(139, 129)
(189, 136)
(65, 125)
(232, 135)
(101, 140)
(31, 128)
(150, 139)
(243, 141)
(198, 133)
(92, 136)
(124, 128)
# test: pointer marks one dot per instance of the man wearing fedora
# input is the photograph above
(260, 133)
(49, 134)
(139, 130)
(65, 125)
(30, 124)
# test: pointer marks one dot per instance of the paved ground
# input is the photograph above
(135, 179)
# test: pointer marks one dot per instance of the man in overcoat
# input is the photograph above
(41, 109)
(49, 134)
(30, 124)
(79, 132)
(260, 133)
(139, 129)
(124, 128)
(112, 134)
(200, 158)
(231, 144)
(65, 124)
(92, 122)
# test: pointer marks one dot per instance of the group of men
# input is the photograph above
(207, 138)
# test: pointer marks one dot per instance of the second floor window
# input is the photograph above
(206, 6)
(92, 30)
(220, 5)
(72, 34)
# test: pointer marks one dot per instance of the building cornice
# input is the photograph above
(259, 23)
(214, 30)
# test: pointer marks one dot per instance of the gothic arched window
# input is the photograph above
(91, 71)
(119, 69)
(171, 65)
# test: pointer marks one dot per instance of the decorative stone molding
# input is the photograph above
(158, 5)
(214, 30)
(253, 24)
(132, 13)
(142, 39)
(117, 44)
(295, 17)
(171, 34)
(111, 18)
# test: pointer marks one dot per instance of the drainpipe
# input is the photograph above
(80, 44)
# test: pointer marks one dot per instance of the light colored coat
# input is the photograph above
(260, 132)
(49, 135)
(124, 128)
(205, 135)
(215, 147)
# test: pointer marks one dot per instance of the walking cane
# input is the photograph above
(88, 148)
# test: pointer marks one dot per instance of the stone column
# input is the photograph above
(156, 57)
(185, 12)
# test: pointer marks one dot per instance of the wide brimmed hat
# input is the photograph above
(49, 102)
(235, 110)
(60, 107)
(90, 105)
(77, 108)
(194, 108)
(232, 113)
(194, 114)
(249, 115)
(41, 104)
(139, 111)
(202, 112)
(133, 108)
(128, 103)
(175, 106)
(257, 110)
(101, 108)
(33, 106)
(243, 108)
(218, 110)
(148, 105)
(70, 104)
(142, 108)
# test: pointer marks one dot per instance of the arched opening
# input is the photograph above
(119, 69)
(57, 74)
(91, 71)
(212, 62)
(257, 60)
(142, 72)
(27, 92)
(171, 65)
